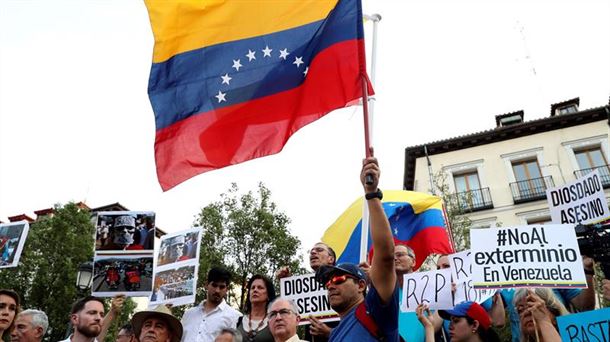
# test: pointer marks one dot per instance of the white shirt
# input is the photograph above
(200, 326)
(295, 338)
(69, 339)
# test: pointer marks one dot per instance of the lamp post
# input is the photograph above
(84, 276)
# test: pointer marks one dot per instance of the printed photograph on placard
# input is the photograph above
(179, 247)
(128, 274)
(125, 231)
(174, 286)
(12, 239)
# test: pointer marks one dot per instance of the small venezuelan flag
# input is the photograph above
(233, 80)
(416, 220)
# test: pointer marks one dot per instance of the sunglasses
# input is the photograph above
(339, 279)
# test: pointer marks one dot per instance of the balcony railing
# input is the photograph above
(604, 174)
(531, 189)
(473, 200)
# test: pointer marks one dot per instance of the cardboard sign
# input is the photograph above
(176, 268)
(128, 274)
(461, 274)
(432, 288)
(585, 326)
(12, 239)
(582, 201)
(310, 297)
(531, 256)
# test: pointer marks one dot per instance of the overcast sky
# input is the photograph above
(76, 123)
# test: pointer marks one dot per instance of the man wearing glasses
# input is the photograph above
(283, 316)
(347, 285)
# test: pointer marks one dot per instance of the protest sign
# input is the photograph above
(581, 201)
(310, 297)
(128, 274)
(176, 267)
(432, 288)
(122, 231)
(585, 326)
(12, 239)
(461, 274)
(532, 256)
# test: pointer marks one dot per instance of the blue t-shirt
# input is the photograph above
(564, 295)
(409, 327)
(385, 316)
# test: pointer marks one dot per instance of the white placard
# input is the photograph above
(176, 268)
(310, 297)
(461, 274)
(12, 239)
(532, 256)
(581, 201)
(432, 288)
(119, 273)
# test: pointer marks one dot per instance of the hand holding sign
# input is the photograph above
(432, 288)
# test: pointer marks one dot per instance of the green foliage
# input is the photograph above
(246, 234)
(455, 209)
(123, 318)
(46, 276)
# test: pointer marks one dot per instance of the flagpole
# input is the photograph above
(364, 233)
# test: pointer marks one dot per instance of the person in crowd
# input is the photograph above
(9, 308)
(30, 326)
(538, 310)
(469, 322)
(578, 299)
(122, 234)
(346, 283)
(229, 335)
(126, 334)
(284, 318)
(86, 317)
(158, 325)
(320, 254)
(606, 289)
(203, 322)
(116, 306)
(253, 325)
(409, 326)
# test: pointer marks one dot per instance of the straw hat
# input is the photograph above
(161, 312)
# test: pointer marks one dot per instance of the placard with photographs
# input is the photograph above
(125, 231)
(129, 274)
(12, 239)
(176, 267)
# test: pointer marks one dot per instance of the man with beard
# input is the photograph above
(203, 322)
(157, 325)
(86, 317)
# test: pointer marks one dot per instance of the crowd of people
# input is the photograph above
(366, 298)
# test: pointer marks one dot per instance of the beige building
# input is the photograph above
(501, 175)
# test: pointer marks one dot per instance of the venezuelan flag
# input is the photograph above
(233, 80)
(416, 219)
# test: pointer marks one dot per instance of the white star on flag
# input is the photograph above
(284, 53)
(237, 64)
(221, 97)
(250, 55)
(226, 79)
(298, 61)
(267, 51)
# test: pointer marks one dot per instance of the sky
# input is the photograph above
(76, 123)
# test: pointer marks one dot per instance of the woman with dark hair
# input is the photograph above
(9, 308)
(469, 322)
(253, 325)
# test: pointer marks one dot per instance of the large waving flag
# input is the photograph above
(233, 80)
(416, 219)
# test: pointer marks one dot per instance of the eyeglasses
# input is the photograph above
(283, 313)
(402, 254)
(340, 279)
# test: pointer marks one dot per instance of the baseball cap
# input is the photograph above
(325, 272)
(468, 309)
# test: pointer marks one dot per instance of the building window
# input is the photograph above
(529, 183)
(467, 191)
(540, 216)
(590, 154)
(572, 108)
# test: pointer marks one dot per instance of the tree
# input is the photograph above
(455, 210)
(46, 275)
(247, 235)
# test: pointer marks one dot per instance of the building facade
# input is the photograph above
(500, 176)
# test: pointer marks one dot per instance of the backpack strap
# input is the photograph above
(367, 321)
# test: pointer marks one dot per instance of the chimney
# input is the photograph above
(509, 119)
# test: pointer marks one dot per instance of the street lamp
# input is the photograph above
(84, 276)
